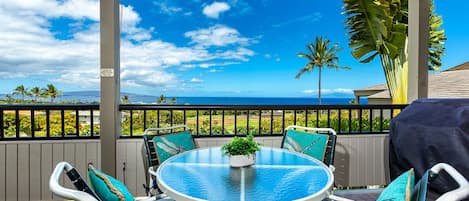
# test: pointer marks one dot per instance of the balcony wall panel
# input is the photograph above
(23, 172)
(121, 156)
(69, 154)
(46, 170)
(132, 173)
(131, 167)
(25, 166)
(2, 171)
(11, 172)
(35, 171)
(57, 156)
(360, 160)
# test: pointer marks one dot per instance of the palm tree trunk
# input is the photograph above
(396, 72)
(319, 86)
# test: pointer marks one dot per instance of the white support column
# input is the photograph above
(418, 49)
(110, 83)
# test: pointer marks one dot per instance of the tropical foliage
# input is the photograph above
(20, 90)
(125, 99)
(320, 54)
(162, 99)
(379, 28)
(173, 101)
(35, 92)
(50, 91)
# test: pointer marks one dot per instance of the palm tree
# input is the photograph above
(44, 94)
(51, 92)
(162, 99)
(379, 28)
(36, 92)
(320, 55)
(9, 99)
(20, 90)
(125, 99)
(173, 101)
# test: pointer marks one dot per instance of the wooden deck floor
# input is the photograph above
(359, 194)
(373, 194)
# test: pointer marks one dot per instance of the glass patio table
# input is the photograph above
(205, 174)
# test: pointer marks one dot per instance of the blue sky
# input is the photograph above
(194, 47)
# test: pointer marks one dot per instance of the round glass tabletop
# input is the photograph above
(205, 174)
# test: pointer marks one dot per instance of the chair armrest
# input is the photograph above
(330, 130)
(66, 193)
(152, 171)
(337, 198)
(332, 168)
(166, 128)
(459, 193)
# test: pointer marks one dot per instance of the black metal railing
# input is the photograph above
(27, 122)
(31, 122)
(261, 120)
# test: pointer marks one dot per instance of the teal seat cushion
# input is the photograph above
(311, 144)
(171, 144)
(107, 187)
(400, 189)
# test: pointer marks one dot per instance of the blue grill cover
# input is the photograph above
(427, 132)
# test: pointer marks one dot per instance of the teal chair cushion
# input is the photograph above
(171, 144)
(312, 144)
(400, 189)
(107, 187)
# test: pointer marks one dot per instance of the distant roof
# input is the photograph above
(449, 84)
(383, 94)
(375, 87)
(446, 84)
(464, 66)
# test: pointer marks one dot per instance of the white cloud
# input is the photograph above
(213, 10)
(196, 80)
(76, 9)
(307, 19)
(29, 46)
(309, 91)
(217, 35)
(148, 77)
(329, 91)
(208, 65)
(165, 8)
(215, 70)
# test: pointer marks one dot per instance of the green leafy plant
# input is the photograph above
(241, 146)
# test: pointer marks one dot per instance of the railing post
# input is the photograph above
(1, 125)
(91, 123)
(62, 122)
(32, 123)
(17, 123)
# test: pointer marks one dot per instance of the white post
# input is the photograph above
(110, 83)
(418, 49)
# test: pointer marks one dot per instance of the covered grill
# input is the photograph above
(427, 132)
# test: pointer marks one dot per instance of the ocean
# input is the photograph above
(93, 97)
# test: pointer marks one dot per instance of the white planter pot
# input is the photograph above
(242, 160)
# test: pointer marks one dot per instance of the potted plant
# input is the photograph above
(242, 151)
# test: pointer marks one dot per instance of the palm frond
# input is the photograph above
(303, 70)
